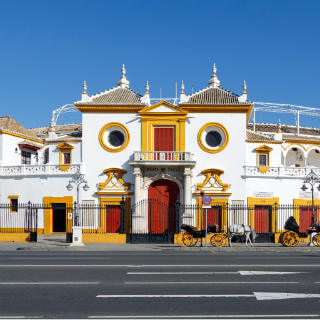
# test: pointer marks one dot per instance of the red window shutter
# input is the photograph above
(164, 139)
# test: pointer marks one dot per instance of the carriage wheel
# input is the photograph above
(187, 239)
(290, 239)
(281, 238)
(316, 240)
(218, 240)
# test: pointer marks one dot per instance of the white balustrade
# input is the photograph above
(162, 156)
(39, 170)
(289, 172)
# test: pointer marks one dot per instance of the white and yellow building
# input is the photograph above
(129, 147)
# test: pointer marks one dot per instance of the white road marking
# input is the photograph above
(47, 283)
(243, 273)
(175, 296)
(158, 265)
(210, 282)
(21, 317)
(259, 273)
(283, 295)
(257, 295)
(151, 317)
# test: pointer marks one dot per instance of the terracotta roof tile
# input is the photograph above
(114, 96)
(213, 96)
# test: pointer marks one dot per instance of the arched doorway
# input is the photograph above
(162, 195)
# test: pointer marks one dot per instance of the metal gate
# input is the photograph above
(153, 221)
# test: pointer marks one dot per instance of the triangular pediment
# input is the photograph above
(263, 148)
(163, 107)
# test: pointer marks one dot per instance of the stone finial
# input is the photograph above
(123, 83)
(244, 95)
(52, 130)
(146, 98)
(279, 130)
(244, 86)
(182, 87)
(183, 96)
(84, 95)
(214, 82)
(84, 86)
(147, 87)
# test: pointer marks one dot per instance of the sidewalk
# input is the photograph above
(58, 243)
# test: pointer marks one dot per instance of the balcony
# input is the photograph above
(162, 158)
(39, 170)
(280, 172)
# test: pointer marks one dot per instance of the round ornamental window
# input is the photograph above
(114, 137)
(213, 137)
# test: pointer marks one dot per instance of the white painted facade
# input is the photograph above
(241, 177)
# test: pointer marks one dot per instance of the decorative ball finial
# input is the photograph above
(244, 86)
(123, 70)
(279, 126)
(214, 69)
(214, 82)
(182, 87)
(84, 86)
(123, 83)
(147, 87)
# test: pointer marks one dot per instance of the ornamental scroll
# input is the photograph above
(212, 181)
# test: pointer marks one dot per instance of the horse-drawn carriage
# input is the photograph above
(190, 236)
(291, 237)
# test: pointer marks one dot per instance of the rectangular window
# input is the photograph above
(25, 157)
(66, 158)
(263, 160)
(14, 205)
(46, 156)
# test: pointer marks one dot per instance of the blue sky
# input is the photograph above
(49, 47)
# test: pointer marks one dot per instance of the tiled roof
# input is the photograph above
(114, 96)
(271, 127)
(255, 136)
(7, 123)
(213, 96)
(301, 137)
(70, 130)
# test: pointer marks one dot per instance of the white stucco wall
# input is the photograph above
(231, 159)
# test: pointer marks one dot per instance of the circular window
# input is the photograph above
(114, 137)
(213, 137)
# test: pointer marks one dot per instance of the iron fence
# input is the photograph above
(18, 218)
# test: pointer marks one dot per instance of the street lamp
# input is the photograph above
(77, 179)
(311, 179)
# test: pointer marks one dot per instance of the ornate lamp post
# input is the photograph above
(78, 180)
(311, 179)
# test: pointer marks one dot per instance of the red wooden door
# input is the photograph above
(262, 219)
(214, 217)
(305, 215)
(162, 196)
(164, 141)
(113, 219)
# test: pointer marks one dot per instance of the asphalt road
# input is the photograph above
(162, 284)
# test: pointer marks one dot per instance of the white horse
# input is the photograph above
(241, 229)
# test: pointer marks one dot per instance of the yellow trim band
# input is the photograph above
(114, 124)
(221, 127)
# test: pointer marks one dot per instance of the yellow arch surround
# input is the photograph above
(123, 128)
(222, 128)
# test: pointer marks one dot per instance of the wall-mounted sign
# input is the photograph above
(258, 194)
